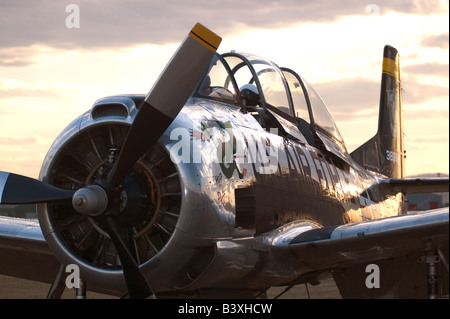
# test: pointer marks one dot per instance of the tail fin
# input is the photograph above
(384, 153)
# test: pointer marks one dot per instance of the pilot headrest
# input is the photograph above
(250, 93)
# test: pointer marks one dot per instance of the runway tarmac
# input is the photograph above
(16, 288)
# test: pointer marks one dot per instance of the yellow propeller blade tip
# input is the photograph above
(205, 37)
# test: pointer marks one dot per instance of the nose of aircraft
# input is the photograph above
(160, 107)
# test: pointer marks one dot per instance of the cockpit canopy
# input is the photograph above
(248, 80)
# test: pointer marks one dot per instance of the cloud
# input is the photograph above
(419, 93)
(8, 140)
(350, 98)
(23, 154)
(23, 56)
(8, 111)
(428, 141)
(44, 89)
(114, 23)
(436, 41)
(435, 69)
(12, 60)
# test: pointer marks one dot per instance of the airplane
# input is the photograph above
(228, 178)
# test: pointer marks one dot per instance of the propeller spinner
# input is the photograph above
(157, 112)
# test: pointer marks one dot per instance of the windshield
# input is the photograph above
(218, 84)
(264, 75)
(298, 95)
(322, 117)
(272, 84)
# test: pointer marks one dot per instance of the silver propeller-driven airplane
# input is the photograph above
(228, 178)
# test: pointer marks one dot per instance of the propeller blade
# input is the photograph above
(138, 287)
(17, 189)
(166, 98)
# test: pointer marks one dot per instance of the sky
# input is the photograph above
(52, 68)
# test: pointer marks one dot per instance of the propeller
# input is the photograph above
(17, 189)
(160, 107)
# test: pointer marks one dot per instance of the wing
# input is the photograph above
(395, 245)
(414, 185)
(24, 252)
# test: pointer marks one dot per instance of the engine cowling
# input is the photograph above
(150, 199)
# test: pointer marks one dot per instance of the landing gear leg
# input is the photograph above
(80, 292)
(431, 259)
(58, 285)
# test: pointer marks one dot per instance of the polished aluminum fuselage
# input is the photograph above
(213, 147)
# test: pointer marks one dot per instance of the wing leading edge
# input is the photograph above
(396, 245)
